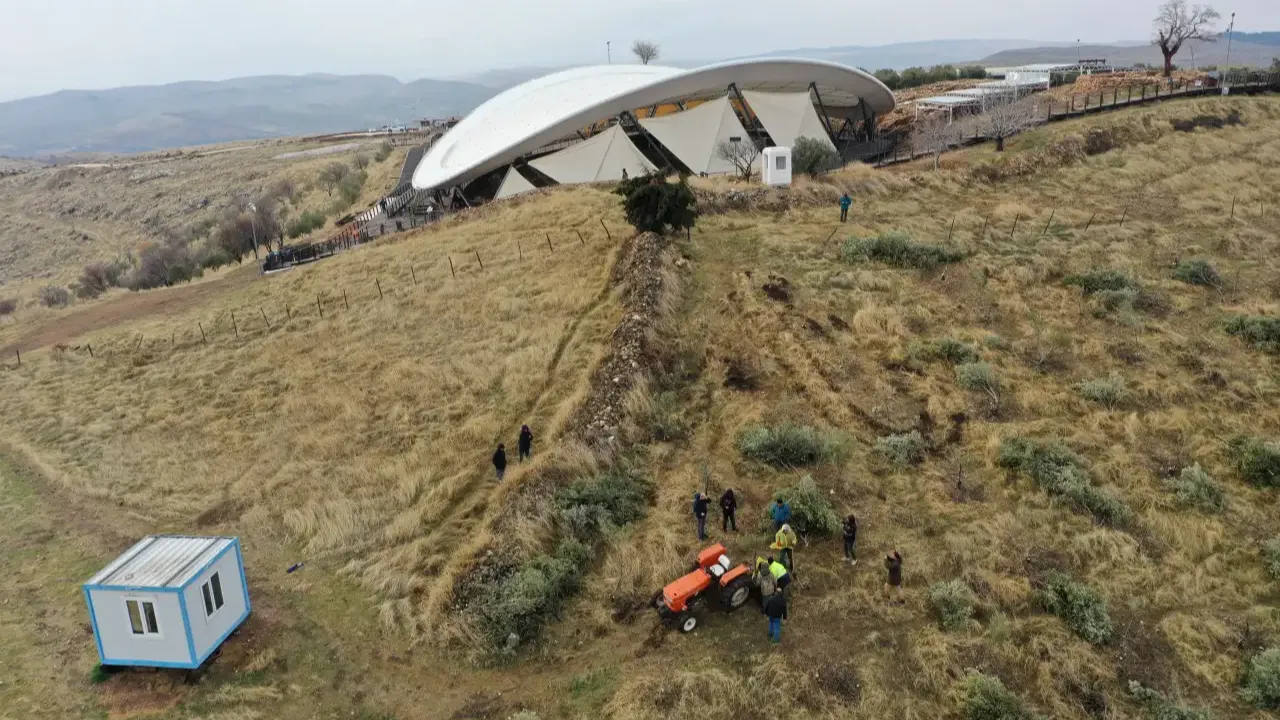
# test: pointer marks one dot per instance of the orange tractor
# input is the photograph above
(713, 576)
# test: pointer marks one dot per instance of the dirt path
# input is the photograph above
(73, 324)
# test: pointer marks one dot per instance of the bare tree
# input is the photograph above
(331, 175)
(1008, 115)
(741, 154)
(645, 50)
(1177, 22)
(935, 134)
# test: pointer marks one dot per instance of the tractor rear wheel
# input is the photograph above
(737, 593)
(687, 622)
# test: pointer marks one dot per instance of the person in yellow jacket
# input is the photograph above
(785, 542)
(781, 577)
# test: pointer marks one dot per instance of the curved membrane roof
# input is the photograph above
(528, 116)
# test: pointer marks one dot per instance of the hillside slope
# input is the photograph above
(359, 442)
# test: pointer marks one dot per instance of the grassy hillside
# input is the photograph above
(1040, 418)
(56, 220)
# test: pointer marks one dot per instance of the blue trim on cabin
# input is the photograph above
(149, 663)
(186, 625)
(93, 619)
(209, 564)
(243, 584)
(133, 588)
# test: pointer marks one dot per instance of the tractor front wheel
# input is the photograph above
(687, 622)
(737, 593)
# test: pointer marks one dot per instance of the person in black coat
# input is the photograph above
(500, 461)
(700, 513)
(729, 506)
(893, 582)
(526, 442)
(851, 539)
(775, 608)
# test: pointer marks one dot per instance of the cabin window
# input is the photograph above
(212, 590)
(142, 617)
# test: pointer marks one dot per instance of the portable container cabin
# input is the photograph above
(169, 601)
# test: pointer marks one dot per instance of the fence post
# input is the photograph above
(233, 323)
(264, 318)
(549, 242)
(173, 338)
(1233, 207)
(451, 271)
(319, 307)
(1046, 225)
(413, 275)
(606, 230)
(584, 242)
(138, 344)
(203, 338)
(90, 349)
(1124, 215)
(519, 249)
(288, 313)
(345, 304)
(377, 283)
(953, 228)
(479, 260)
(1016, 218)
(1090, 223)
(19, 354)
(983, 233)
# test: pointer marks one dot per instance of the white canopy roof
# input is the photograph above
(513, 184)
(693, 135)
(788, 117)
(528, 116)
(603, 157)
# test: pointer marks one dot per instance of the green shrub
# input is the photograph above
(1262, 679)
(953, 601)
(1259, 331)
(790, 445)
(1197, 272)
(350, 185)
(1079, 606)
(1194, 488)
(1271, 556)
(996, 342)
(1061, 472)
(654, 205)
(812, 157)
(897, 249)
(978, 376)
(902, 450)
(305, 223)
(384, 151)
(947, 349)
(519, 605)
(1256, 460)
(99, 674)
(7, 306)
(1108, 392)
(1159, 707)
(810, 508)
(986, 698)
(589, 507)
(214, 258)
(1099, 280)
(54, 296)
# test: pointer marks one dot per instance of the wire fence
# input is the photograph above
(259, 320)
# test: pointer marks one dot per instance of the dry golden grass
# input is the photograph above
(360, 443)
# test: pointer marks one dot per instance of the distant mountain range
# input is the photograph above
(137, 119)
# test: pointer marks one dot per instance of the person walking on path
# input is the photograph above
(781, 514)
(728, 507)
(845, 202)
(500, 460)
(851, 539)
(700, 512)
(775, 608)
(526, 443)
(893, 583)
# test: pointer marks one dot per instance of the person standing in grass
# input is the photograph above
(845, 202)
(775, 608)
(785, 543)
(781, 577)
(728, 507)
(893, 583)
(700, 513)
(500, 460)
(526, 443)
(781, 514)
(851, 539)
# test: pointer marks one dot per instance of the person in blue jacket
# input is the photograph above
(845, 202)
(781, 514)
(700, 512)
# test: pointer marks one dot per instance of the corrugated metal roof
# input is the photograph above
(161, 561)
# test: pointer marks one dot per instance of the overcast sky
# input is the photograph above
(49, 45)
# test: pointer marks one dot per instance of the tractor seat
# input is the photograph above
(716, 570)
